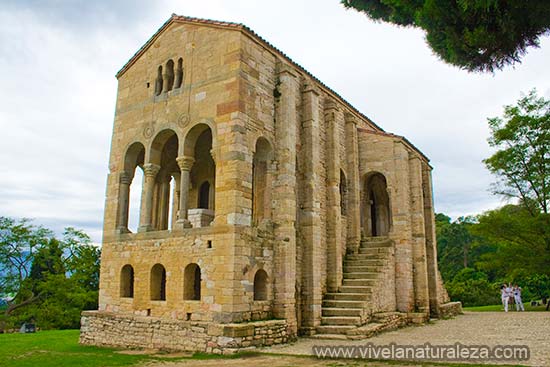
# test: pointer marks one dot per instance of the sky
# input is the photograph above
(58, 60)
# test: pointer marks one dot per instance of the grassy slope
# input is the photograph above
(500, 308)
(58, 349)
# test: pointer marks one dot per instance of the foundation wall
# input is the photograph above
(113, 330)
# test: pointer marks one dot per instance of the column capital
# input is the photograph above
(350, 118)
(310, 87)
(125, 178)
(185, 162)
(331, 105)
(150, 169)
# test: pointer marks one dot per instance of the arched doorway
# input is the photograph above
(376, 206)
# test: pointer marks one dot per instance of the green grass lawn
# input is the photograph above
(58, 348)
(498, 308)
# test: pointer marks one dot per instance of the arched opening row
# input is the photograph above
(169, 188)
(170, 77)
(191, 283)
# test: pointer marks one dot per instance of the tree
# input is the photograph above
(476, 35)
(19, 241)
(522, 161)
(47, 279)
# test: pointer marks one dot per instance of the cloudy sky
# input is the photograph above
(58, 59)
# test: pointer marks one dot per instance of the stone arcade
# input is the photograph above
(270, 207)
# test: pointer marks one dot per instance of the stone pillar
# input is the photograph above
(354, 196)
(284, 196)
(400, 201)
(333, 115)
(310, 216)
(150, 171)
(125, 180)
(431, 243)
(164, 202)
(420, 275)
(185, 163)
(176, 200)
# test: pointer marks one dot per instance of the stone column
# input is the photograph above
(354, 196)
(431, 243)
(420, 276)
(284, 195)
(185, 163)
(310, 216)
(333, 114)
(150, 171)
(176, 200)
(164, 202)
(400, 201)
(125, 180)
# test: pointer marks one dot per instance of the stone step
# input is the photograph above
(340, 320)
(329, 336)
(373, 256)
(334, 329)
(358, 282)
(375, 239)
(373, 250)
(360, 269)
(364, 262)
(341, 311)
(355, 289)
(348, 296)
(361, 275)
(334, 303)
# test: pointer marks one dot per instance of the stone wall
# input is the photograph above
(129, 331)
(450, 309)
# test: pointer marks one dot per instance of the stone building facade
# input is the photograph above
(270, 207)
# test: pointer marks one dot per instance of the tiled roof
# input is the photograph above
(243, 28)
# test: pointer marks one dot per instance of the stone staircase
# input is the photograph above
(349, 308)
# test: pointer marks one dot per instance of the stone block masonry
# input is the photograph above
(264, 195)
(112, 330)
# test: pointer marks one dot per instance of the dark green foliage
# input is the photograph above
(473, 288)
(476, 35)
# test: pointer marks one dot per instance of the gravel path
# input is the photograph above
(472, 328)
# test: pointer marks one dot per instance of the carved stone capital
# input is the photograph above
(310, 87)
(150, 169)
(185, 162)
(125, 178)
(331, 106)
(350, 118)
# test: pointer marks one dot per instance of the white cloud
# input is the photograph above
(59, 93)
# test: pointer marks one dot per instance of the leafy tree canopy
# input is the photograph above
(476, 35)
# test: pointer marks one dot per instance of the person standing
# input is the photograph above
(517, 298)
(504, 296)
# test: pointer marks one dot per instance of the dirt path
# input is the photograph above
(472, 328)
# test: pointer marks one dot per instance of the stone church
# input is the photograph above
(270, 207)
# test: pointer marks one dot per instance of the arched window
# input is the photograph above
(164, 151)
(130, 187)
(159, 81)
(261, 193)
(260, 285)
(169, 76)
(158, 283)
(192, 283)
(127, 281)
(343, 193)
(179, 74)
(204, 195)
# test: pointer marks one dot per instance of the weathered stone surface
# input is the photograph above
(265, 194)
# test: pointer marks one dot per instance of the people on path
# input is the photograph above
(517, 298)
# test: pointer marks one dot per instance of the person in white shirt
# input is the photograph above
(517, 298)
(504, 295)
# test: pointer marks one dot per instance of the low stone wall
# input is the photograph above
(129, 331)
(450, 309)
